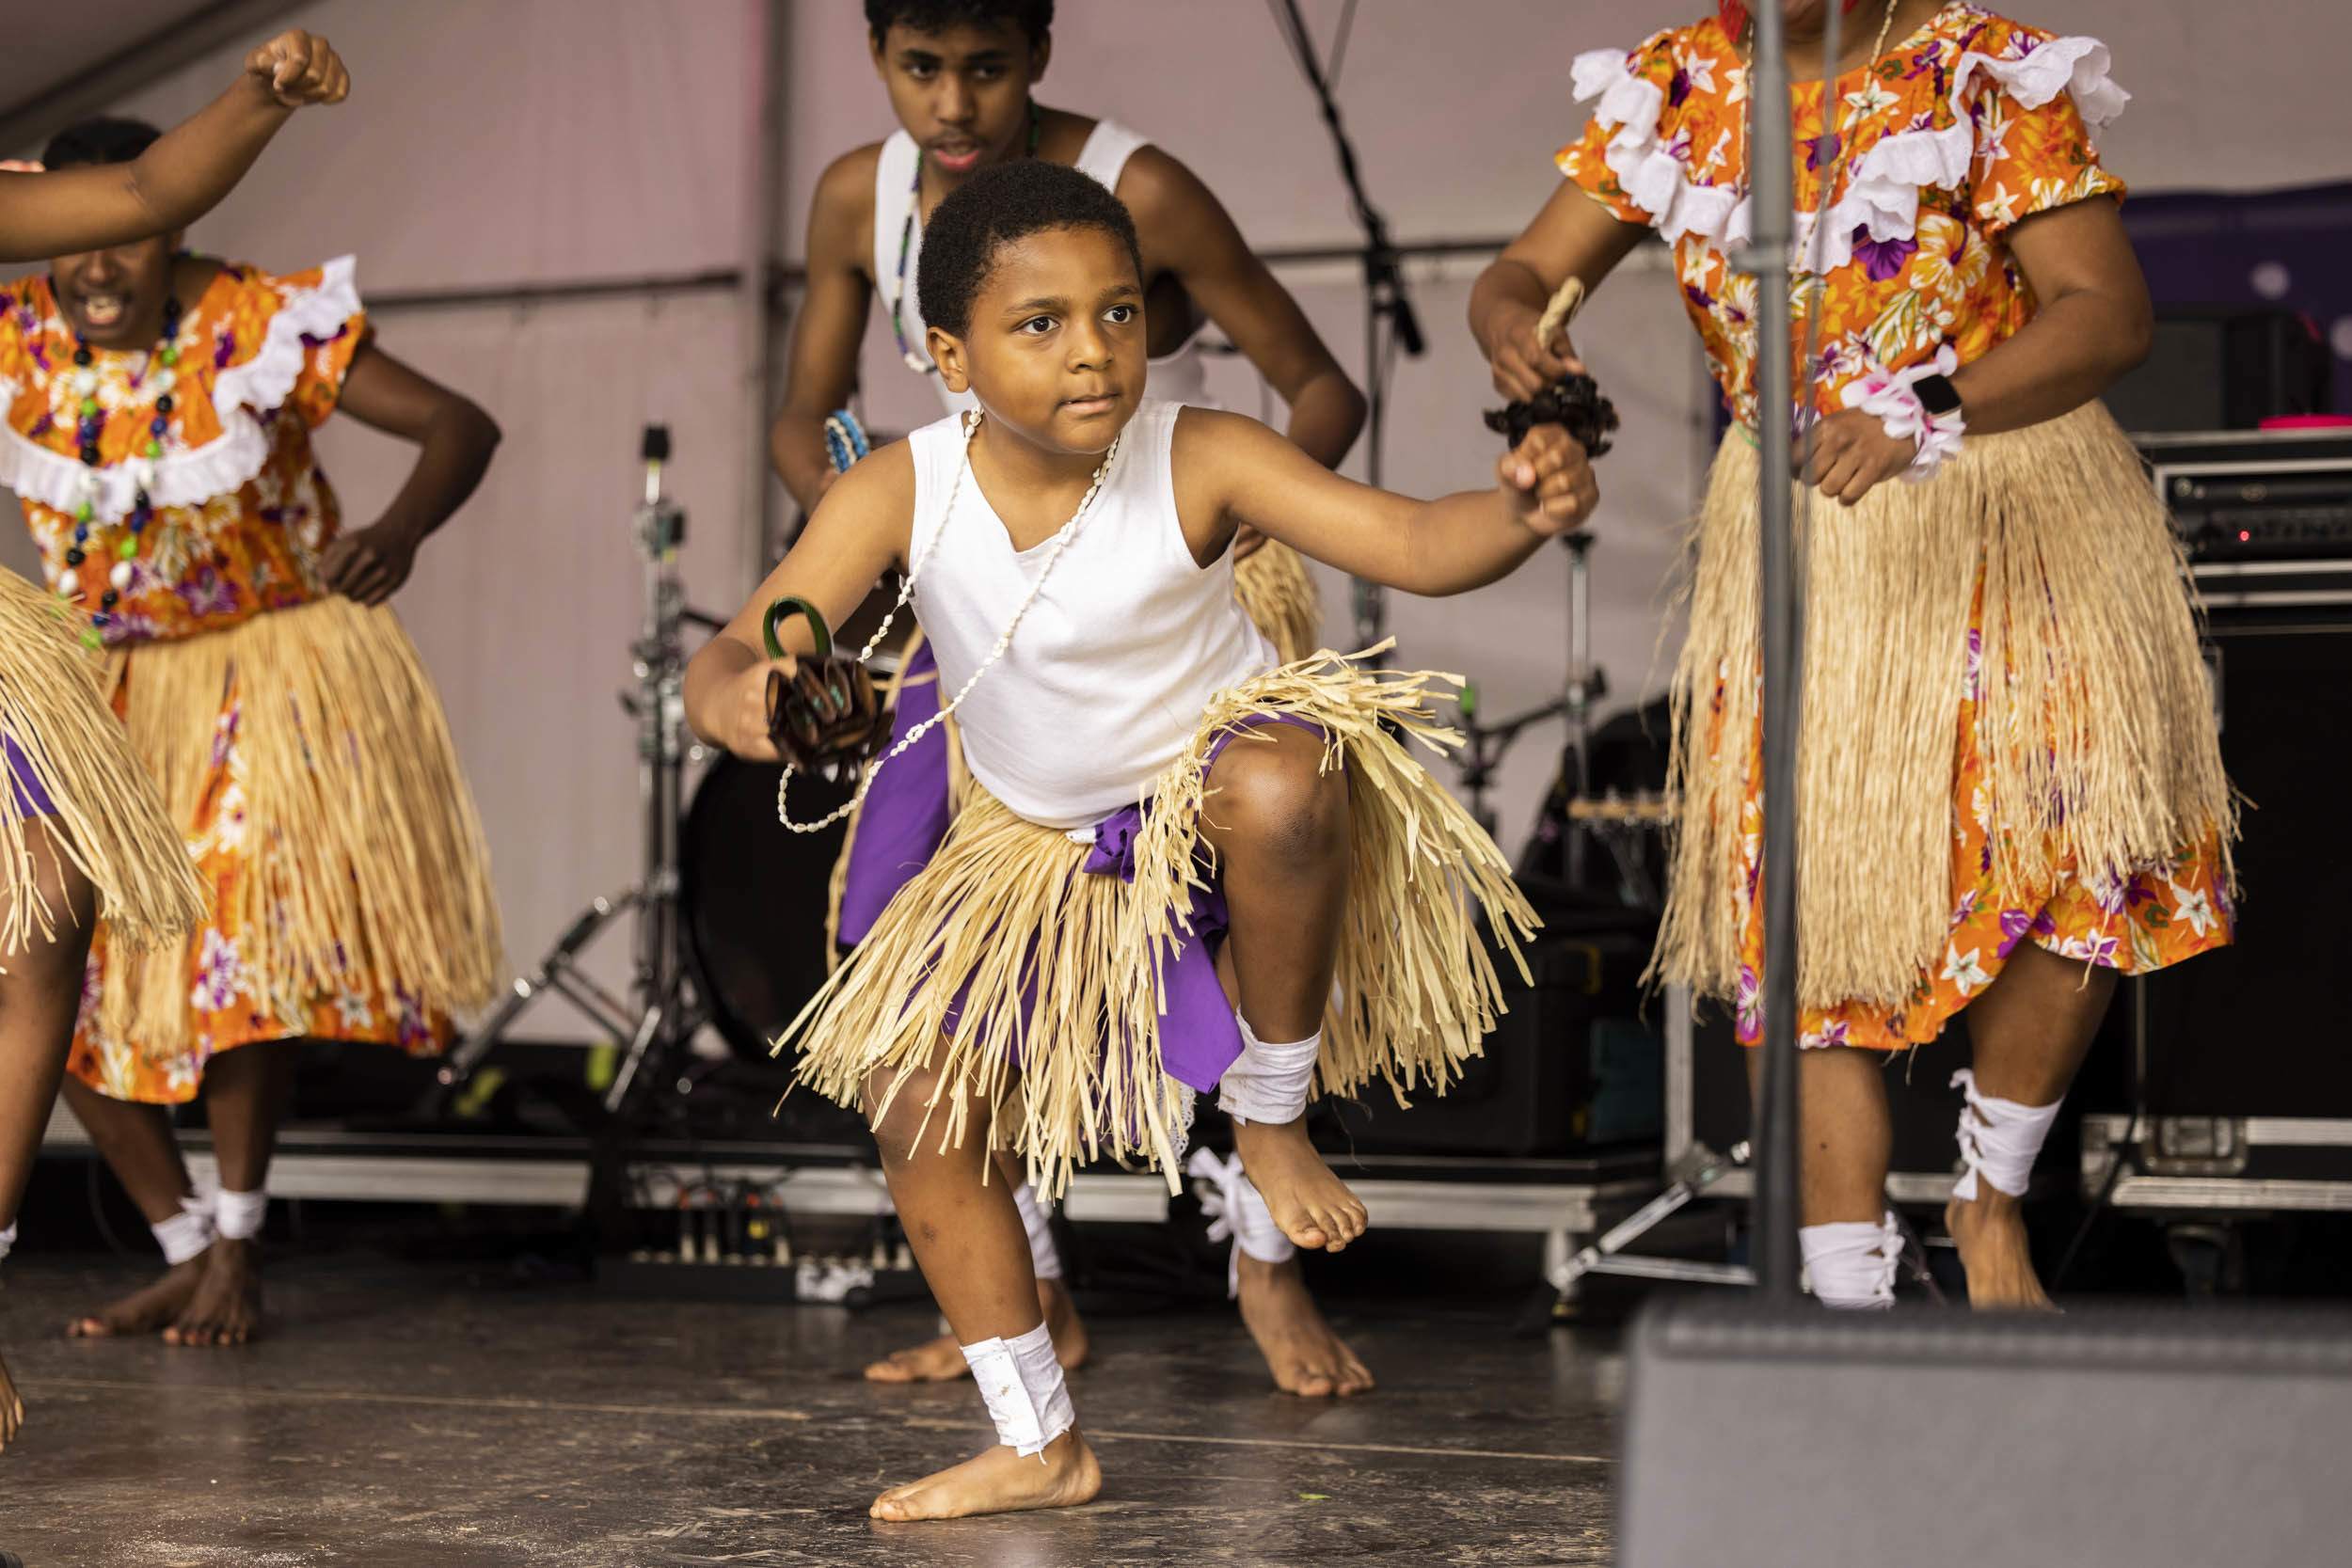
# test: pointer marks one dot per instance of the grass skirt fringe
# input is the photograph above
(1275, 589)
(74, 750)
(2094, 723)
(1032, 987)
(362, 845)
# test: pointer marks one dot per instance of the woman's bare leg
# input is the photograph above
(2031, 1030)
(246, 1093)
(138, 1145)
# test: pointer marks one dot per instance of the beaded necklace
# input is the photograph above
(921, 363)
(1068, 532)
(164, 377)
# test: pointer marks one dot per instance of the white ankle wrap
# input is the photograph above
(1044, 1261)
(1023, 1384)
(1238, 1211)
(238, 1216)
(1998, 1139)
(1268, 1083)
(1852, 1265)
(7, 1240)
(187, 1233)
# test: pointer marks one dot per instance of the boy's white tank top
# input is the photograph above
(1178, 377)
(1128, 641)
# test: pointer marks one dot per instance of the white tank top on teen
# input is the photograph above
(1179, 377)
(1128, 641)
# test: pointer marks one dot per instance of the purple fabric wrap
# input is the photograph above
(26, 795)
(906, 813)
(906, 817)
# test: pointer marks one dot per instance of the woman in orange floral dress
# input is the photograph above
(157, 432)
(2011, 785)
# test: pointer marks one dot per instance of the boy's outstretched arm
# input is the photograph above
(859, 531)
(1232, 470)
(184, 174)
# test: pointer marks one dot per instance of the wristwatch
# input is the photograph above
(1937, 395)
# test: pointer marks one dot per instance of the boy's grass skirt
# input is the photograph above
(1065, 980)
(304, 756)
(68, 759)
(2093, 726)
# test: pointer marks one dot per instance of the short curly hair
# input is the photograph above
(98, 141)
(996, 207)
(1036, 17)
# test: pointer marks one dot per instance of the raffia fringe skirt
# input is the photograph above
(361, 849)
(1036, 989)
(2095, 723)
(72, 751)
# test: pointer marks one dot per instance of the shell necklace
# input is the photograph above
(1068, 532)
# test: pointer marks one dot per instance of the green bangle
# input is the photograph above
(792, 605)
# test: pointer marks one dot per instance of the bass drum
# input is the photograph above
(754, 896)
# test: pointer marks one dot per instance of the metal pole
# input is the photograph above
(1772, 176)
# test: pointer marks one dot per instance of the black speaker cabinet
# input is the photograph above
(2224, 368)
(1574, 1065)
(2126, 1438)
(2257, 1029)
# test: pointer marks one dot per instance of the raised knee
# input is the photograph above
(1284, 803)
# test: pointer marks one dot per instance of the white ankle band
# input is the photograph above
(1852, 1265)
(1027, 1397)
(187, 1233)
(7, 1240)
(1044, 1261)
(1268, 1083)
(1238, 1211)
(1998, 1139)
(238, 1216)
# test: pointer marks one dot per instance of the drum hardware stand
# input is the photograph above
(1390, 323)
(1702, 1168)
(660, 1017)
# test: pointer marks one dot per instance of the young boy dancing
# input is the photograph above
(959, 75)
(1163, 823)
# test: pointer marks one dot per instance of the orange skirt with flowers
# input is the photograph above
(2158, 915)
(304, 757)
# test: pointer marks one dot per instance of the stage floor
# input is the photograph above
(405, 1416)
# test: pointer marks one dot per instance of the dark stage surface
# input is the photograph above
(402, 1415)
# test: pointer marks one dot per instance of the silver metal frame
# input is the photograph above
(2186, 1188)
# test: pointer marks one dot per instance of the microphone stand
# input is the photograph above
(1772, 174)
(1389, 323)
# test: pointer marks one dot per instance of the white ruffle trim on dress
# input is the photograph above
(1882, 195)
(240, 392)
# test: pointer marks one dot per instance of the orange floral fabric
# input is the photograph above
(1924, 264)
(251, 545)
(261, 361)
(229, 1003)
(2158, 916)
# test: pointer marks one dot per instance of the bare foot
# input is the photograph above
(11, 1409)
(1305, 1357)
(149, 1310)
(999, 1481)
(1991, 1235)
(941, 1360)
(227, 1306)
(1314, 1207)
